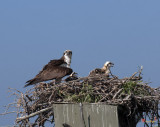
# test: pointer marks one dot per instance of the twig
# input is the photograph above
(117, 93)
(140, 71)
(8, 113)
(33, 114)
(107, 94)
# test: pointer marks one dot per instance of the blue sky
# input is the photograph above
(125, 32)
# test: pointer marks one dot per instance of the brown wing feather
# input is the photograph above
(53, 63)
(51, 72)
(96, 71)
(54, 72)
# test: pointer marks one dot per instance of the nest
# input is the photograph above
(35, 106)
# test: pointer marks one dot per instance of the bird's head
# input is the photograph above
(73, 74)
(68, 53)
(108, 64)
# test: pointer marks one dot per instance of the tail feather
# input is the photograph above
(32, 81)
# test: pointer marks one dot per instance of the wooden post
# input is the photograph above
(85, 115)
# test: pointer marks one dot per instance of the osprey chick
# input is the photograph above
(72, 77)
(104, 70)
(55, 69)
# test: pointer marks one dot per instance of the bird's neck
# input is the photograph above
(105, 69)
(67, 59)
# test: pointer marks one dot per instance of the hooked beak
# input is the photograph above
(110, 64)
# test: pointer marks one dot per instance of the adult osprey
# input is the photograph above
(104, 70)
(55, 69)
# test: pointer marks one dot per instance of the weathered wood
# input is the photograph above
(86, 115)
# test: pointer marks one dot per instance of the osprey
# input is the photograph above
(104, 70)
(72, 77)
(55, 69)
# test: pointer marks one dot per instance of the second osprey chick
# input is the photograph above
(104, 70)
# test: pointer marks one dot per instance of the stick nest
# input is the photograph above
(130, 93)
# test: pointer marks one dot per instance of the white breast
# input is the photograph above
(68, 61)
